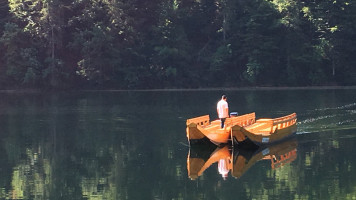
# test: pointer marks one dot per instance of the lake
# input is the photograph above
(133, 145)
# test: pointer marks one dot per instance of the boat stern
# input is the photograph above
(193, 132)
(236, 134)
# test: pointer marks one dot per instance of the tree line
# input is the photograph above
(126, 44)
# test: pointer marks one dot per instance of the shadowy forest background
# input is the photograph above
(127, 44)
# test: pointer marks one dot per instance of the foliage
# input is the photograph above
(176, 44)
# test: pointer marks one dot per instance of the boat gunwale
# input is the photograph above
(256, 130)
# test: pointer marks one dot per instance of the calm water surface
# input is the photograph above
(132, 145)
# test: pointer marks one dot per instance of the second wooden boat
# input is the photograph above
(265, 131)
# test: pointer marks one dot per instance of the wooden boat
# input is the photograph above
(199, 128)
(265, 131)
(241, 129)
(239, 161)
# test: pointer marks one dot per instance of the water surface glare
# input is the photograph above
(132, 145)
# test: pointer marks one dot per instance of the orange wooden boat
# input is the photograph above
(201, 127)
(265, 131)
(241, 129)
(239, 161)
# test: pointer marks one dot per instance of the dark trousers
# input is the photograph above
(222, 122)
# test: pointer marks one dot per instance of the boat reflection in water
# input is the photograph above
(238, 161)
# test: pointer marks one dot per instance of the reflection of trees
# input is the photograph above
(323, 170)
(26, 172)
(43, 161)
(327, 167)
(29, 178)
(88, 150)
(92, 151)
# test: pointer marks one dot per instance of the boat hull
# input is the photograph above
(199, 129)
(277, 130)
(241, 129)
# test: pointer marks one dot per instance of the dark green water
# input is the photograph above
(132, 145)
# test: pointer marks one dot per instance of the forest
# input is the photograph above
(162, 44)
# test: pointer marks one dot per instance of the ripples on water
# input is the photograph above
(328, 119)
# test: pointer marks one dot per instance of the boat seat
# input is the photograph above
(212, 126)
(257, 126)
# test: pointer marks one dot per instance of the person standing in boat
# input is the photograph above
(223, 110)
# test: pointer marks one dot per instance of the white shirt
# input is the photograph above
(222, 108)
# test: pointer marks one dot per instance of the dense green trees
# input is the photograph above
(176, 43)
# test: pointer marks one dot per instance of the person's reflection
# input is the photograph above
(197, 164)
(223, 167)
(237, 162)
